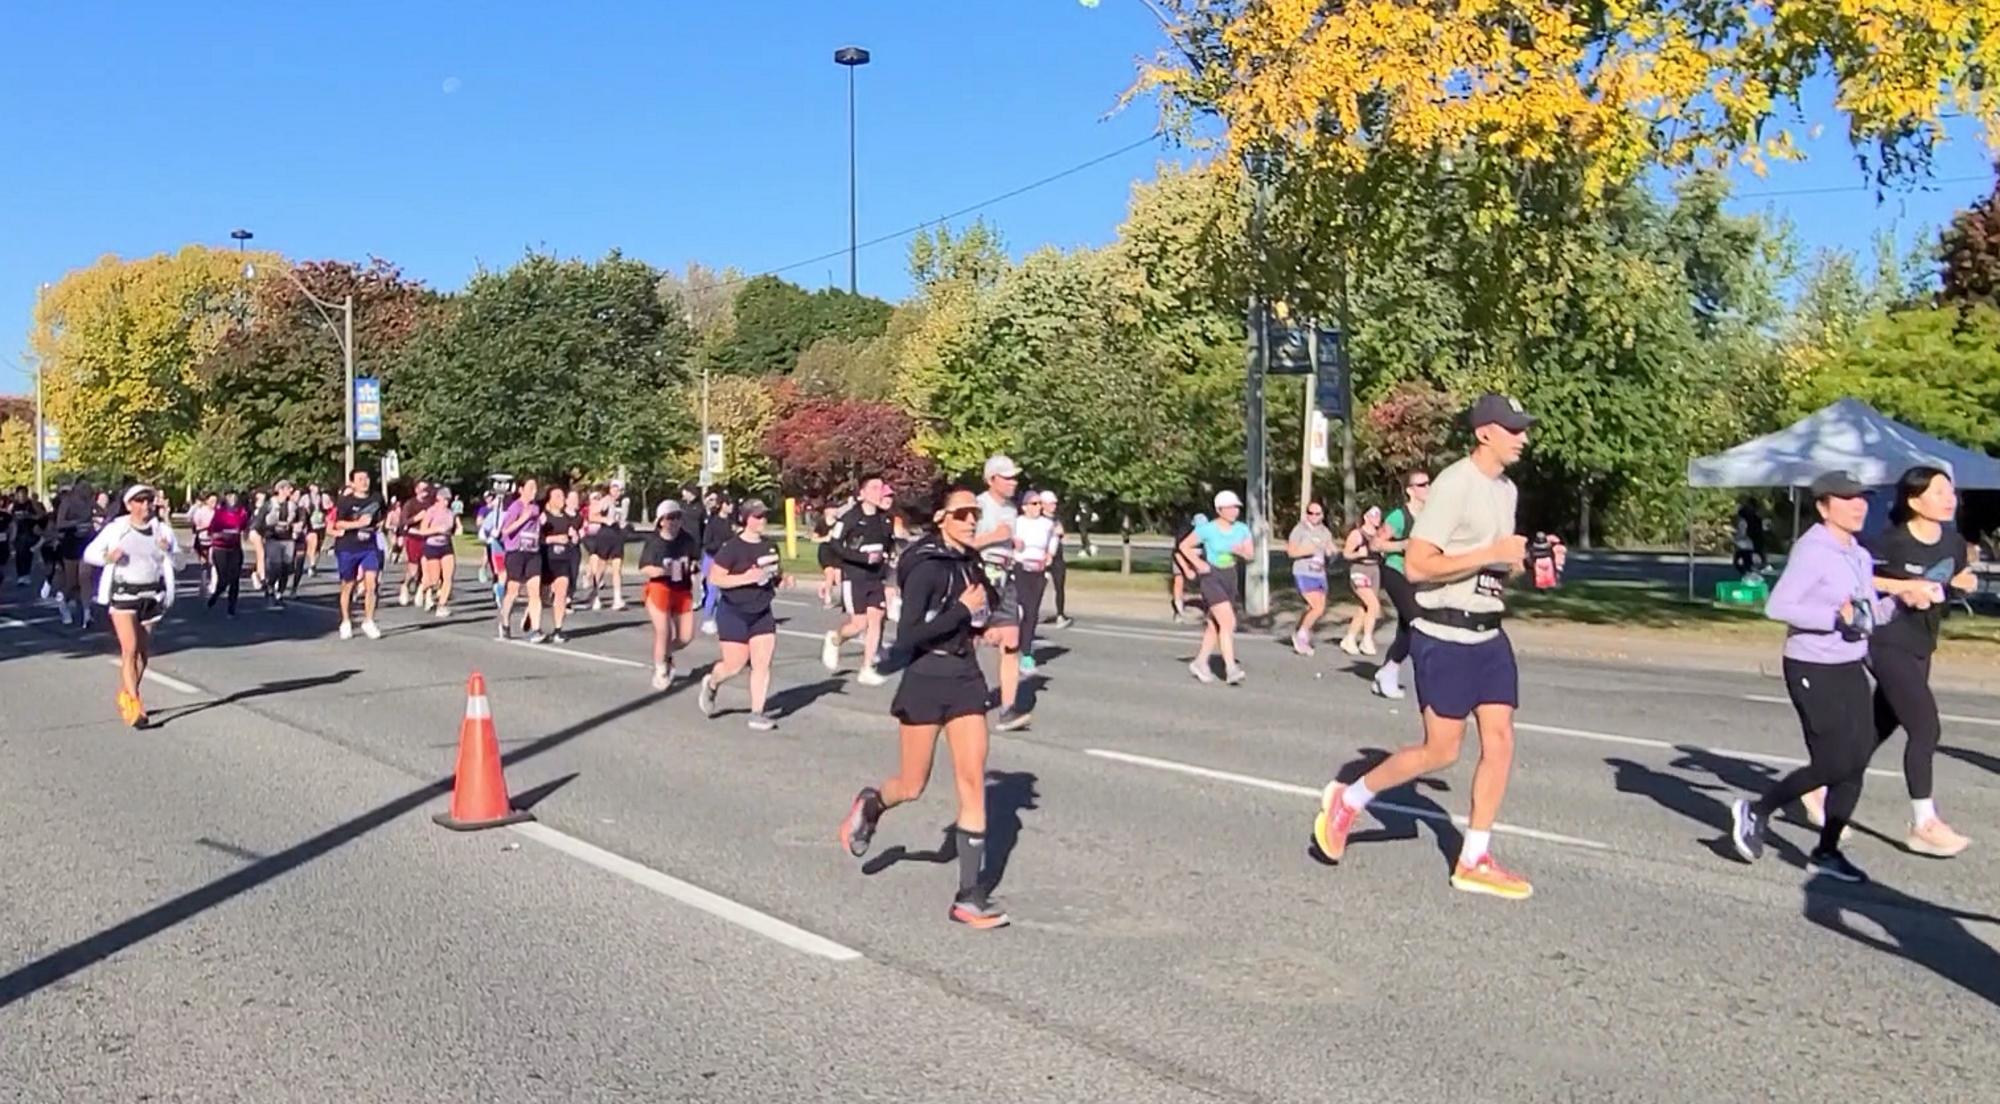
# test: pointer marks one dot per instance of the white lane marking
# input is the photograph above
(716, 905)
(13, 623)
(1308, 791)
(168, 681)
(1669, 745)
(1959, 718)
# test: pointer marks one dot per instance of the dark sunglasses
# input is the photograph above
(963, 513)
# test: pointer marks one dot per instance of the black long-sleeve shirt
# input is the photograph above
(863, 540)
(936, 629)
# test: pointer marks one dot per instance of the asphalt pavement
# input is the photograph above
(251, 903)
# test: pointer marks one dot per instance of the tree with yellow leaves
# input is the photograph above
(1619, 85)
(119, 344)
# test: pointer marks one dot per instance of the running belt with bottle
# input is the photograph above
(142, 581)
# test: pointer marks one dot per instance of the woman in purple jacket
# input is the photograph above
(1828, 602)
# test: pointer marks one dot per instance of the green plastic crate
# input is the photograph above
(1742, 592)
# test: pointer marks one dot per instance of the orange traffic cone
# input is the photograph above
(479, 793)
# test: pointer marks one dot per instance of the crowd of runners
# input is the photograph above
(969, 569)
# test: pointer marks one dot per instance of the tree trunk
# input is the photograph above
(1583, 514)
(1125, 539)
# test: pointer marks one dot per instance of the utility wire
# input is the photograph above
(960, 213)
(1973, 178)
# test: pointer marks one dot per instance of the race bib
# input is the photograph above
(1489, 584)
(1224, 559)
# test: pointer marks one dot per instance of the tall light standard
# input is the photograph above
(41, 438)
(242, 238)
(851, 58)
(345, 334)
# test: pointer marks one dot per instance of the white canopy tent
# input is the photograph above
(1848, 436)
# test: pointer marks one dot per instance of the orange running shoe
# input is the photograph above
(1334, 821)
(1489, 877)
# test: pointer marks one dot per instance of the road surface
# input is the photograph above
(250, 903)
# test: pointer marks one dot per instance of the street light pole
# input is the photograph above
(851, 58)
(242, 239)
(345, 335)
(41, 440)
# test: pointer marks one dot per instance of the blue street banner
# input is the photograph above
(51, 442)
(367, 409)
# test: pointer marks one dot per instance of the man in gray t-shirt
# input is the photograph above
(994, 538)
(1461, 552)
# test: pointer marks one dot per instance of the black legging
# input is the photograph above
(1832, 700)
(280, 561)
(1903, 699)
(228, 574)
(1028, 586)
(1059, 582)
(1404, 597)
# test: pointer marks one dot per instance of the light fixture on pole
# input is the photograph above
(851, 58)
(344, 334)
(242, 238)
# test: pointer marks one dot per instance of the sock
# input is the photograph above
(1475, 848)
(1390, 674)
(971, 859)
(1829, 836)
(1923, 810)
(1357, 795)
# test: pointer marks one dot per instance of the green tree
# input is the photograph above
(549, 367)
(278, 380)
(774, 321)
(1936, 368)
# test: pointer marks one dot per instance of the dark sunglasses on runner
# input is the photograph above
(963, 513)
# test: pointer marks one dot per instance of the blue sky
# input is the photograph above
(446, 134)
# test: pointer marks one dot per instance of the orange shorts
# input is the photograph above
(671, 600)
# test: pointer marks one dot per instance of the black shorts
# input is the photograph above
(607, 543)
(826, 557)
(1218, 587)
(148, 605)
(736, 626)
(436, 551)
(927, 699)
(523, 564)
(1453, 679)
(71, 547)
(558, 563)
(860, 592)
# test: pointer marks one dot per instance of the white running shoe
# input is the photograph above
(829, 650)
(369, 630)
(347, 630)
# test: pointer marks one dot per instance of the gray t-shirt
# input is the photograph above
(1466, 511)
(1318, 536)
(994, 513)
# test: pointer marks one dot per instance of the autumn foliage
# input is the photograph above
(824, 447)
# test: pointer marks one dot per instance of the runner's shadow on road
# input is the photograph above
(1705, 803)
(1930, 935)
(162, 718)
(792, 699)
(1008, 795)
(1980, 759)
(1400, 823)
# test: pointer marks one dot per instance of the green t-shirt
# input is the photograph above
(1398, 525)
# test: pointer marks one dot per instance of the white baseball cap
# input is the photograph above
(1003, 466)
(1226, 499)
(1048, 498)
(667, 508)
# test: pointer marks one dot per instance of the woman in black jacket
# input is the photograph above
(945, 602)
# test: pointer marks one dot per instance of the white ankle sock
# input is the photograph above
(1357, 795)
(1476, 845)
(1923, 810)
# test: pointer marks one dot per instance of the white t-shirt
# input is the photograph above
(1034, 536)
(1466, 511)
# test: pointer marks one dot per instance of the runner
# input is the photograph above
(357, 551)
(746, 572)
(521, 536)
(669, 560)
(1187, 567)
(200, 516)
(861, 540)
(1035, 536)
(1461, 552)
(136, 585)
(1396, 528)
(281, 523)
(1220, 543)
(1916, 559)
(315, 506)
(617, 511)
(995, 542)
(827, 523)
(226, 529)
(72, 529)
(717, 529)
(1828, 600)
(947, 598)
(437, 527)
(1308, 545)
(409, 518)
(561, 529)
(1364, 574)
(1058, 566)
